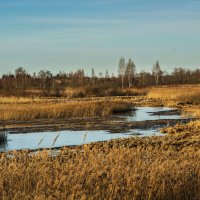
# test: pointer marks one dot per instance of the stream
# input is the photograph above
(37, 140)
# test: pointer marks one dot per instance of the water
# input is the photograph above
(69, 137)
(145, 113)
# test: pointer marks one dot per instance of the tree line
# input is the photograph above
(44, 83)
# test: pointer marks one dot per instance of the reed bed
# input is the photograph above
(135, 168)
(191, 97)
(18, 100)
(134, 91)
(188, 96)
(51, 110)
(194, 110)
(188, 93)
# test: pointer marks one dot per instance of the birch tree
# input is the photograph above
(157, 72)
(130, 72)
(122, 70)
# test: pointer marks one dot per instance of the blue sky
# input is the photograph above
(67, 35)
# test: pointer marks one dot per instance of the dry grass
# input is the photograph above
(135, 168)
(192, 97)
(194, 110)
(188, 96)
(29, 110)
(104, 91)
(6, 100)
(192, 129)
(151, 168)
(135, 91)
(188, 93)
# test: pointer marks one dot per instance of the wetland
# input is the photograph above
(138, 122)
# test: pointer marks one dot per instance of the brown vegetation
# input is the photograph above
(185, 93)
(187, 96)
(135, 168)
(191, 129)
(29, 110)
(77, 84)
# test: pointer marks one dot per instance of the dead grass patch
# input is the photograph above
(49, 110)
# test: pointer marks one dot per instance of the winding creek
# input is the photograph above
(36, 140)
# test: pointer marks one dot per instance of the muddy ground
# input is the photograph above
(113, 125)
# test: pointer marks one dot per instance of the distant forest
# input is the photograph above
(21, 83)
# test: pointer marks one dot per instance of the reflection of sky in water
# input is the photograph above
(31, 140)
(68, 137)
(145, 113)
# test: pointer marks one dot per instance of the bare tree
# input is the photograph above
(100, 75)
(79, 76)
(143, 75)
(107, 74)
(156, 72)
(122, 70)
(8, 83)
(93, 76)
(46, 81)
(21, 80)
(130, 72)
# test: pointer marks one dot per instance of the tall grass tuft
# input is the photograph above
(55, 139)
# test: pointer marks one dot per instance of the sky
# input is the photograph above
(65, 35)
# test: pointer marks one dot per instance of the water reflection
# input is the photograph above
(33, 140)
(68, 137)
(3, 141)
(146, 113)
(131, 113)
(3, 146)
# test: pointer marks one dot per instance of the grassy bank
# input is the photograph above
(49, 110)
(188, 96)
(135, 168)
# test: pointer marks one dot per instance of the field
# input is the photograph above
(135, 168)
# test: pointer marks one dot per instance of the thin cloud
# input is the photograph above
(72, 21)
